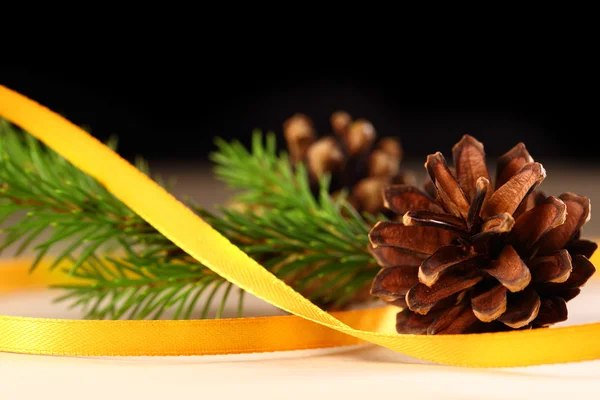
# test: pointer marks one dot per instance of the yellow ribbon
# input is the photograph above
(182, 226)
(162, 338)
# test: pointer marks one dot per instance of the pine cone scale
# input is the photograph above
(509, 196)
(578, 213)
(359, 137)
(490, 303)
(569, 294)
(522, 309)
(450, 195)
(324, 156)
(457, 319)
(445, 257)
(510, 270)
(422, 298)
(419, 239)
(552, 310)
(482, 191)
(582, 270)
(299, 134)
(414, 324)
(581, 246)
(511, 162)
(402, 198)
(391, 256)
(382, 164)
(433, 219)
(469, 159)
(340, 121)
(555, 268)
(533, 224)
(500, 223)
(393, 283)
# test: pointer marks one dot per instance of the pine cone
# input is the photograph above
(356, 160)
(466, 258)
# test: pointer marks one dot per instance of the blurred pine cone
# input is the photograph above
(355, 158)
(469, 256)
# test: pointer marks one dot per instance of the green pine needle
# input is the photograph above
(131, 271)
(128, 268)
(304, 240)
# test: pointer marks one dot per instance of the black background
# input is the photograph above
(172, 113)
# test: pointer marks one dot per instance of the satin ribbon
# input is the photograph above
(184, 228)
(163, 338)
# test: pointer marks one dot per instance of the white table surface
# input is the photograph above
(354, 372)
(361, 372)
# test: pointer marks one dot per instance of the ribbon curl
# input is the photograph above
(188, 231)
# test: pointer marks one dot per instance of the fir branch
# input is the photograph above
(317, 245)
(325, 259)
(126, 265)
(47, 193)
(136, 287)
(264, 177)
(307, 241)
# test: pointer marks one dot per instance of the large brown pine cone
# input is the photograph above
(352, 155)
(469, 258)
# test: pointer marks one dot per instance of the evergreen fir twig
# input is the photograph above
(318, 245)
(265, 178)
(127, 266)
(302, 239)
